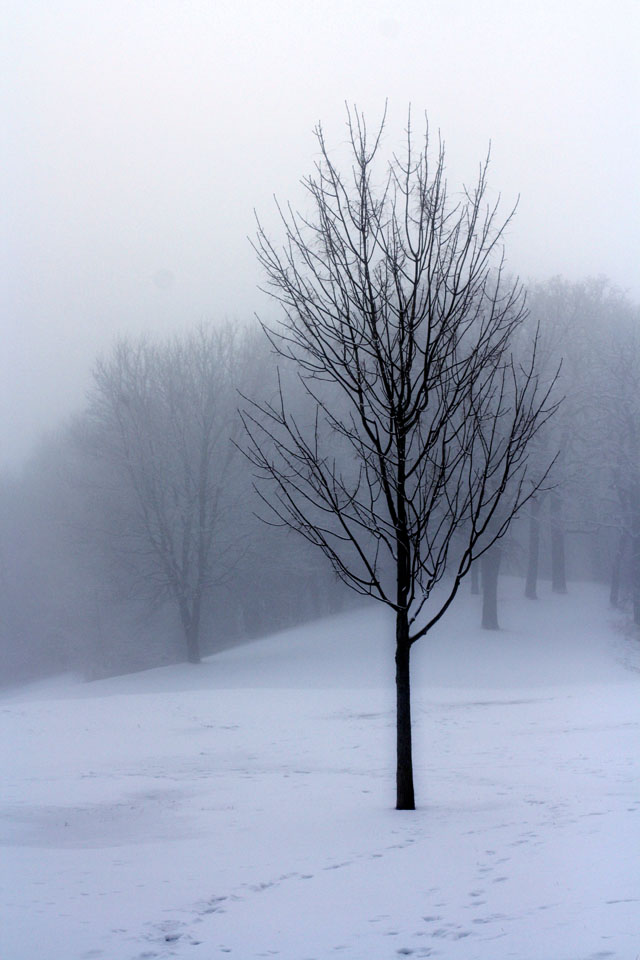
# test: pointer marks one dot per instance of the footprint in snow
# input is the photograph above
(490, 918)
(451, 932)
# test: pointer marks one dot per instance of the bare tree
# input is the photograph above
(398, 316)
(621, 439)
(160, 427)
(569, 316)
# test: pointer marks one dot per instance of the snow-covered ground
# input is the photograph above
(244, 808)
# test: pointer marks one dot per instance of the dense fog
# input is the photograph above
(139, 139)
(139, 142)
(87, 586)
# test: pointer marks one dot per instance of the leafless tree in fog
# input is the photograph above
(620, 399)
(400, 320)
(160, 425)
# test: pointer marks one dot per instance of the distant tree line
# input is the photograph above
(130, 538)
(587, 524)
(107, 550)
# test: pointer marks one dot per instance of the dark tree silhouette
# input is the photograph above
(400, 321)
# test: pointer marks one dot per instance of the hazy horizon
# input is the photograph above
(140, 139)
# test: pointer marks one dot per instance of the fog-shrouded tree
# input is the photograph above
(584, 520)
(619, 422)
(570, 317)
(412, 457)
(160, 429)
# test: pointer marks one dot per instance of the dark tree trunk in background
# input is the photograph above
(635, 555)
(636, 581)
(405, 799)
(616, 567)
(490, 570)
(558, 563)
(191, 625)
(475, 579)
(193, 643)
(531, 584)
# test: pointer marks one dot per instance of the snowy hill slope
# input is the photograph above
(243, 807)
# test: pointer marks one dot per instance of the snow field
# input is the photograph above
(244, 808)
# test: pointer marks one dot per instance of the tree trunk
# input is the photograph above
(635, 567)
(191, 626)
(405, 799)
(475, 578)
(636, 591)
(531, 583)
(616, 567)
(558, 565)
(490, 570)
(193, 642)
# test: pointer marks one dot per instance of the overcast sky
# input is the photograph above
(139, 136)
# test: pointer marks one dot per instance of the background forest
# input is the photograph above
(133, 537)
